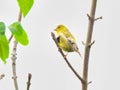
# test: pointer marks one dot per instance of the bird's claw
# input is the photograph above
(65, 56)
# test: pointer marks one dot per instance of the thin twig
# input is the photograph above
(89, 82)
(28, 82)
(10, 38)
(90, 18)
(13, 57)
(88, 41)
(91, 43)
(68, 63)
(98, 18)
(2, 76)
(83, 43)
(20, 16)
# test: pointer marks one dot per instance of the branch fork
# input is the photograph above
(66, 60)
(28, 82)
(98, 18)
(89, 45)
(92, 19)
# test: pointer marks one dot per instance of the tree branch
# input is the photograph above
(68, 63)
(28, 82)
(87, 44)
(13, 57)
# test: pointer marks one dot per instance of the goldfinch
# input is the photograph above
(66, 40)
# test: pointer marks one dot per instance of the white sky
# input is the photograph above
(41, 57)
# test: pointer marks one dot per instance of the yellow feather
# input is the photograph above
(66, 40)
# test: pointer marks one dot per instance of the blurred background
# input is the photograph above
(41, 57)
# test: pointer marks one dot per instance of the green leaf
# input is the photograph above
(19, 33)
(4, 48)
(4, 45)
(25, 6)
(2, 29)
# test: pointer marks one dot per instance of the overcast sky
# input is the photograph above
(41, 57)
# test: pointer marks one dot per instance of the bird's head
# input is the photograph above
(60, 28)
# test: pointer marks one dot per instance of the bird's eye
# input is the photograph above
(59, 27)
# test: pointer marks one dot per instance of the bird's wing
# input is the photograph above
(72, 44)
(69, 35)
(58, 39)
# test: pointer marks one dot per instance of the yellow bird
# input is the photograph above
(66, 40)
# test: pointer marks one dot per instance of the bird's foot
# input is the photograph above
(65, 55)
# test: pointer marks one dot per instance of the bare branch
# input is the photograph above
(2, 76)
(28, 82)
(10, 38)
(98, 18)
(88, 43)
(65, 58)
(90, 18)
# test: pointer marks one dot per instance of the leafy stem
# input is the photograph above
(13, 58)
